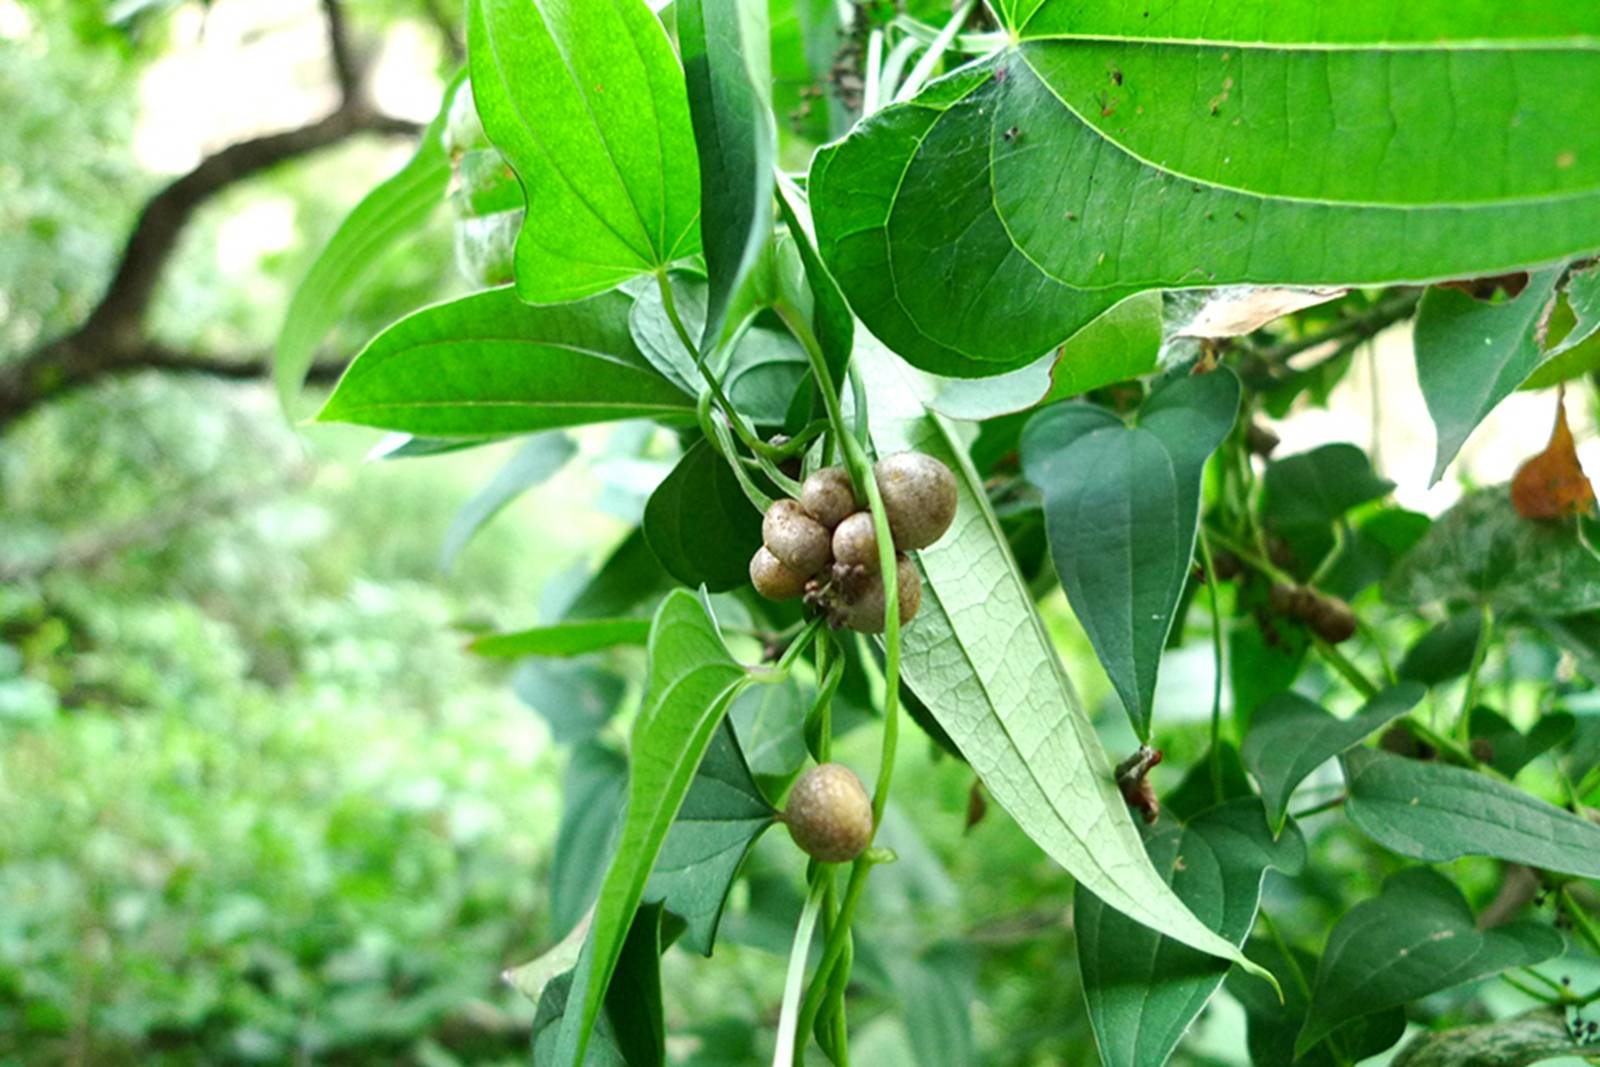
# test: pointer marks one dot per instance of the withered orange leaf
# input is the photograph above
(1552, 484)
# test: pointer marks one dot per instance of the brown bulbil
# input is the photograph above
(864, 606)
(1332, 620)
(855, 542)
(919, 497)
(828, 496)
(797, 539)
(829, 814)
(773, 579)
(1329, 617)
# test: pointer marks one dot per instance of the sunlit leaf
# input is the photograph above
(586, 101)
(488, 364)
(1121, 147)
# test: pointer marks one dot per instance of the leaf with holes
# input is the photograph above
(1471, 355)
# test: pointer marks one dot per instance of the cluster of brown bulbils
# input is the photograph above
(823, 547)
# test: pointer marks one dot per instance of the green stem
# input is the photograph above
(785, 1054)
(1318, 809)
(780, 670)
(759, 448)
(717, 434)
(1550, 983)
(1253, 558)
(1580, 918)
(1341, 663)
(1443, 744)
(831, 954)
(1284, 951)
(1541, 997)
(1480, 651)
(1215, 756)
(1372, 637)
(801, 329)
(1332, 557)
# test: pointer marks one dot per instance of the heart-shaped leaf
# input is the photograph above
(1291, 736)
(1510, 749)
(700, 524)
(1444, 652)
(728, 68)
(692, 680)
(980, 659)
(1432, 812)
(1121, 504)
(1117, 148)
(488, 365)
(1471, 355)
(720, 819)
(1304, 494)
(1143, 989)
(586, 101)
(1416, 937)
(1273, 1024)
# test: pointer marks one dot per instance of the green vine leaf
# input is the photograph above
(1115, 149)
(978, 656)
(1471, 355)
(1416, 937)
(488, 365)
(692, 680)
(1272, 1025)
(717, 825)
(1435, 813)
(1291, 736)
(387, 215)
(586, 101)
(1143, 990)
(1121, 505)
(728, 68)
(572, 637)
(700, 524)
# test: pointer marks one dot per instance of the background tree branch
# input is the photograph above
(112, 340)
